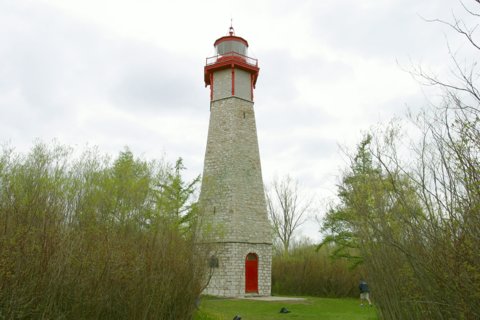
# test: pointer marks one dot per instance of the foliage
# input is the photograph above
(307, 271)
(340, 223)
(175, 198)
(420, 243)
(88, 238)
(439, 258)
(310, 308)
(409, 238)
(369, 204)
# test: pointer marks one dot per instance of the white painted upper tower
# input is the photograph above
(232, 198)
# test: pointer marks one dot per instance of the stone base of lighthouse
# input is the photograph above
(232, 275)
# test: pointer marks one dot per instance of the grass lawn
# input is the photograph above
(312, 308)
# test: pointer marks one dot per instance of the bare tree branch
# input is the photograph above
(459, 27)
(287, 209)
(470, 11)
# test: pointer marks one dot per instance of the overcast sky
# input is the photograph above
(130, 73)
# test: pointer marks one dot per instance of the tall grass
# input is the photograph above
(84, 238)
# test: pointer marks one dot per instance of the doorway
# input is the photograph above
(251, 273)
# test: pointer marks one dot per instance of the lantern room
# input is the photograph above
(231, 73)
(231, 44)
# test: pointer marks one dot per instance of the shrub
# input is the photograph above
(306, 271)
(85, 239)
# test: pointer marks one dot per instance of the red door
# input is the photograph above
(251, 273)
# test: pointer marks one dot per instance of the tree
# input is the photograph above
(447, 175)
(129, 182)
(176, 198)
(421, 230)
(287, 209)
(372, 203)
(341, 223)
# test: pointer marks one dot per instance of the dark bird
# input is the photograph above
(284, 310)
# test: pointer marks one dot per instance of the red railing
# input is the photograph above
(232, 55)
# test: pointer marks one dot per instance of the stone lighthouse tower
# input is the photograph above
(232, 198)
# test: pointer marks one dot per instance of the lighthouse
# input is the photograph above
(232, 202)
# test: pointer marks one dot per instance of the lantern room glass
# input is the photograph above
(231, 46)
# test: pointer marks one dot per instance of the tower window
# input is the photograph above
(213, 262)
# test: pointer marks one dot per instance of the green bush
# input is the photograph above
(306, 271)
(87, 238)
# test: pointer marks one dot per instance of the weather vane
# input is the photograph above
(231, 30)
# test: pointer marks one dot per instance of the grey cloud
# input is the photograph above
(383, 29)
(158, 86)
(280, 71)
(52, 63)
(33, 55)
(310, 147)
(288, 117)
(277, 75)
(316, 147)
(53, 68)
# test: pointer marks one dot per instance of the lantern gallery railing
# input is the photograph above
(232, 55)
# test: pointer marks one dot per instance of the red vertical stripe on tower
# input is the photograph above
(252, 79)
(211, 86)
(233, 80)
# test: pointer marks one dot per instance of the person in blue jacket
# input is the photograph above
(364, 293)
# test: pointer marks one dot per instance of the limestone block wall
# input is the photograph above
(232, 199)
(222, 84)
(228, 279)
(243, 84)
(232, 196)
